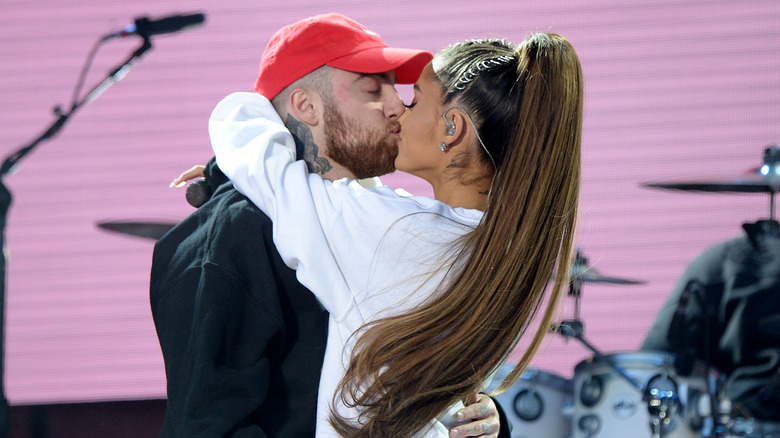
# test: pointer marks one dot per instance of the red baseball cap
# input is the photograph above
(337, 41)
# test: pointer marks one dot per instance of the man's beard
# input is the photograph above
(363, 152)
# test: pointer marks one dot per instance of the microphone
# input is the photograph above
(198, 193)
(144, 27)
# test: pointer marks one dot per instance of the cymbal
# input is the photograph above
(589, 275)
(754, 181)
(580, 270)
(762, 179)
(147, 230)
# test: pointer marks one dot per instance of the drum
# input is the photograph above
(751, 428)
(607, 405)
(535, 404)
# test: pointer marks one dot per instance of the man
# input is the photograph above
(243, 341)
(725, 312)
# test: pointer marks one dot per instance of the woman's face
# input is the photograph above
(422, 129)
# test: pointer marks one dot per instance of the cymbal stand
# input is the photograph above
(771, 168)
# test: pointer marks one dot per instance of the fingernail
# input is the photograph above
(175, 183)
(453, 433)
(459, 415)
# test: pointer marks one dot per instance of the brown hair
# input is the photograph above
(526, 104)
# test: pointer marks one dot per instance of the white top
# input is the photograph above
(364, 252)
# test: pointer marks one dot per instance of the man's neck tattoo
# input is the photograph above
(305, 147)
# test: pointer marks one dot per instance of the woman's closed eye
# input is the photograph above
(411, 105)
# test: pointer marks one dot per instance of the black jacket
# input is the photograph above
(243, 341)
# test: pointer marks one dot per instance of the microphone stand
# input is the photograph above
(10, 164)
(116, 75)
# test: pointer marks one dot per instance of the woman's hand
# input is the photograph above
(482, 412)
(196, 171)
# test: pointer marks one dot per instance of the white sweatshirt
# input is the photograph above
(364, 252)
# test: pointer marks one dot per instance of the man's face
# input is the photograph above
(361, 122)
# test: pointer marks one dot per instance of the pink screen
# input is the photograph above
(673, 89)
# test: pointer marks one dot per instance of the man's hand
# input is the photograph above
(483, 414)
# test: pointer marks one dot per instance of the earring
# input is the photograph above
(443, 147)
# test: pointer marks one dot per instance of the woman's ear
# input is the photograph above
(454, 128)
(306, 106)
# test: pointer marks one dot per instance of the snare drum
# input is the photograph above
(535, 404)
(606, 405)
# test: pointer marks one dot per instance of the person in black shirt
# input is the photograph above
(725, 312)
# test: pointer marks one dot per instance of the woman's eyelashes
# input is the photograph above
(411, 105)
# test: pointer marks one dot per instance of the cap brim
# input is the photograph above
(407, 63)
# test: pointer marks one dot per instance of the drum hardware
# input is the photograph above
(538, 404)
(663, 402)
(573, 328)
(761, 179)
(663, 406)
(145, 229)
(606, 406)
(660, 395)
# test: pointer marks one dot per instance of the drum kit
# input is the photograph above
(636, 394)
(619, 395)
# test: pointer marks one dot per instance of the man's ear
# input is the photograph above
(306, 106)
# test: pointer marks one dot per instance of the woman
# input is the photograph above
(428, 296)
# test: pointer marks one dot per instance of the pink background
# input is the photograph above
(674, 89)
